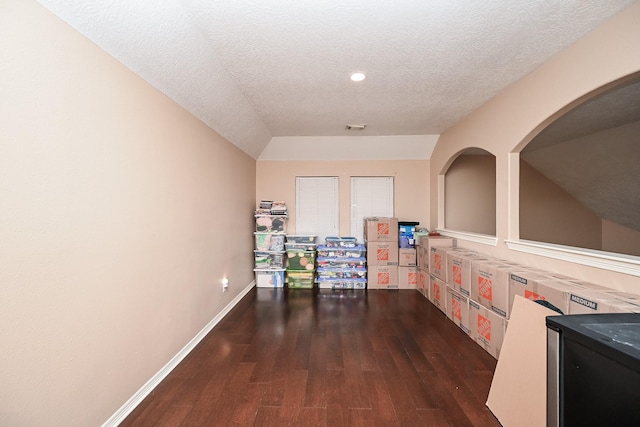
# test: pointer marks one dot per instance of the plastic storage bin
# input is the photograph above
(406, 233)
(358, 251)
(271, 223)
(269, 260)
(342, 273)
(300, 279)
(269, 278)
(300, 259)
(301, 246)
(344, 242)
(342, 283)
(294, 238)
(269, 241)
(341, 262)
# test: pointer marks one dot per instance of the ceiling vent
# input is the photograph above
(356, 127)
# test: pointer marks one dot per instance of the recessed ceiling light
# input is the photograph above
(357, 77)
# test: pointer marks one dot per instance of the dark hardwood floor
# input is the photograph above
(327, 358)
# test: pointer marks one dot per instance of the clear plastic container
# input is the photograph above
(342, 273)
(344, 242)
(269, 241)
(269, 260)
(271, 223)
(359, 251)
(342, 283)
(269, 278)
(294, 238)
(331, 262)
(300, 259)
(301, 246)
(300, 279)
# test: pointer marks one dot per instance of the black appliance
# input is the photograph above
(593, 370)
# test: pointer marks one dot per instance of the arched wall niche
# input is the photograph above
(579, 176)
(515, 116)
(469, 180)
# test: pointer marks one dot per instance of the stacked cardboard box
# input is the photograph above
(477, 291)
(489, 301)
(424, 244)
(433, 265)
(422, 268)
(459, 270)
(490, 284)
(536, 285)
(571, 296)
(457, 309)
(407, 269)
(423, 282)
(438, 293)
(429, 242)
(486, 328)
(450, 277)
(583, 300)
(434, 256)
(381, 236)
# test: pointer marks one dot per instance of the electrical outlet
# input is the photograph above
(225, 284)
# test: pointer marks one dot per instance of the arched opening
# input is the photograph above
(470, 193)
(580, 176)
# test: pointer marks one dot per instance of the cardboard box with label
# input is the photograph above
(534, 285)
(458, 309)
(382, 253)
(422, 257)
(407, 257)
(440, 241)
(438, 293)
(423, 282)
(381, 229)
(459, 270)
(586, 301)
(407, 278)
(382, 277)
(438, 262)
(490, 285)
(486, 328)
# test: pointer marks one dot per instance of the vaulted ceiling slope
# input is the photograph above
(593, 153)
(252, 70)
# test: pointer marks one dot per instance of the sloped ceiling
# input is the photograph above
(253, 70)
(593, 153)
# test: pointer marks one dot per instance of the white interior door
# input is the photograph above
(370, 196)
(317, 206)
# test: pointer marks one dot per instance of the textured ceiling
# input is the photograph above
(253, 70)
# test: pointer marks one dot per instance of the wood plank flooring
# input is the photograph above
(327, 358)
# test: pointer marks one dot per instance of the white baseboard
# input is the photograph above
(144, 391)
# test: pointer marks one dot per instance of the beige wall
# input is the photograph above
(276, 180)
(620, 239)
(120, 215)
(504, 124)
(470, 194)
(550, 214)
